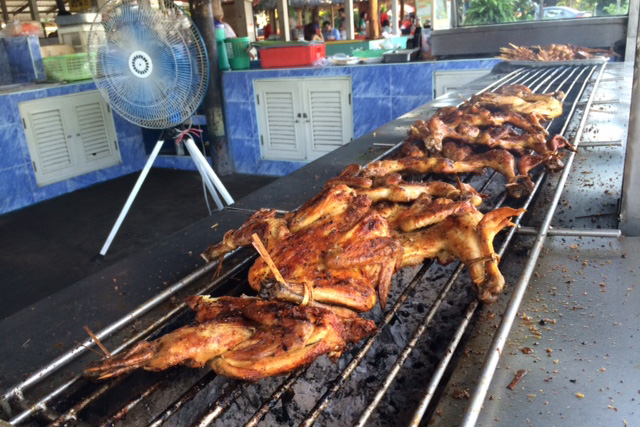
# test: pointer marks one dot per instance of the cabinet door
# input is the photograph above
(95, 131)
(48, 138)
(69, 136)
(278, 106)
(328, 115)
(451, 80)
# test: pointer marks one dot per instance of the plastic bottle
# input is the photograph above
(223, 58)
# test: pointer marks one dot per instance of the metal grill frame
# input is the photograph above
(42, 408)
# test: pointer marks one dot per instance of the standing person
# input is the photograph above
(228, 31)
(363, 26)
(329, 33)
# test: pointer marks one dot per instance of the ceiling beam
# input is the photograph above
(5, 11)
(33, 9)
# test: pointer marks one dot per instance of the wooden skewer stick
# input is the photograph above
(97, 341)
(257, 243)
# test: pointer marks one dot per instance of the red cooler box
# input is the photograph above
(291, 56)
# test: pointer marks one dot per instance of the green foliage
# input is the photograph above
(490, 12)
(525, 10)
(613, 9)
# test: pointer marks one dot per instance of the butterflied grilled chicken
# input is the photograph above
(520, 99)
(244, 338)
(552, 52)
(467, 236)
(497, 159)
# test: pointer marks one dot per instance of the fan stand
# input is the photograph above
(209, 178)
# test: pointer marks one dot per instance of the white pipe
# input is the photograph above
(197, 156)
(191, 147)
(132, 196)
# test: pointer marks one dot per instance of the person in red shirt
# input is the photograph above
(266, 31)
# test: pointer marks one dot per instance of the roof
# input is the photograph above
(19, 9)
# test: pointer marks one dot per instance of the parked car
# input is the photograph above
(563, 12)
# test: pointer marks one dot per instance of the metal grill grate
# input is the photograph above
(575, 81)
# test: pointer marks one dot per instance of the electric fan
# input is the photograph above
(149, 62)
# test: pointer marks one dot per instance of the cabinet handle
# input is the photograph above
(304, 115)
(299, 115)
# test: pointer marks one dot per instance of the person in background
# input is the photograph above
(228, 31)
(267, 31)
(312, 33)
(328, 32)
(386, 27)
(363, 25)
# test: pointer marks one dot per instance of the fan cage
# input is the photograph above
(171, 93)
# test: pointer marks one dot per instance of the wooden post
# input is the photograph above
(5, 11)
(315, 15)
(348, 16)
(244, 19)
(202, 14)
(300, 17)
(401, 11)
(333, 17)
(374, 17)
(33, 9)
(283, 20)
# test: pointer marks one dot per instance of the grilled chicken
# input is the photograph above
(244, 338)
(520, 99)
(552, 52)
(468, 237)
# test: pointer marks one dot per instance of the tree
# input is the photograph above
(490, 12)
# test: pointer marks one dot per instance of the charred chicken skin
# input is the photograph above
(243, 338)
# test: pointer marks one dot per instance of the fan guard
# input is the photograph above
(148, 61)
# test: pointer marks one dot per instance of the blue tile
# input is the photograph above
(36, 57)
(82, 181)
(371, 81)
(132, 153)
(5, 69)
(236, 87)
(269, 167)
(175, 162)
(412, 79)
(401, 105)
(50, 191)
(20, 60)
(370, 114)
(8, 115)
(466, 64)
(14, 147)
(245, 154)
(15, 188)
(241, 119)
(62, 90)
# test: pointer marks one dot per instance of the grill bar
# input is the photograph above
(491, 362)
(133, 403)
(443, 364)
(221, 404)
(43, 402)
(275, 397)
(614, 234)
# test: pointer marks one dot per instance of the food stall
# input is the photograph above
(556, 347)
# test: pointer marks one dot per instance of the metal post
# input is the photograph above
(202, 14)
(5, 11)
(632, 31)
(348, 15)
(283, 19)
(630, 206)
(33, 9)
(395, 19)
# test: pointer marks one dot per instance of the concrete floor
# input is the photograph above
(49, 246)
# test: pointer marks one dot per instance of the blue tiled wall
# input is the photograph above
(380, 93)
(5, 69)
(18, 187)
(24, 59)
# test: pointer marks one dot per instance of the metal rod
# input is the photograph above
(186, 397)
(475, 405)
(443, 364)
(531, 231)
(42, 403)
(132, 404)
(602, 102)
(590, 144)
(222, 403)
(337, 383)
(274, 398)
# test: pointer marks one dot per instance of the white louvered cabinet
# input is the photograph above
(69, 135)
(303, 119)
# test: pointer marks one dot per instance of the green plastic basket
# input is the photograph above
(67, 67)
(238, 53)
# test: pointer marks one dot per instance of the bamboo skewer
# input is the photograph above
(97, 341)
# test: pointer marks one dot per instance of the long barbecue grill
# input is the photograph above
(398, 375)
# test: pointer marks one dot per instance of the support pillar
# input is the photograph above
(202, 14)
(244, 19)
(348, 16)
(374, 16)
(300, 17)
(33, 9)
(5, 11)
(395, 20)
(283, 19)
